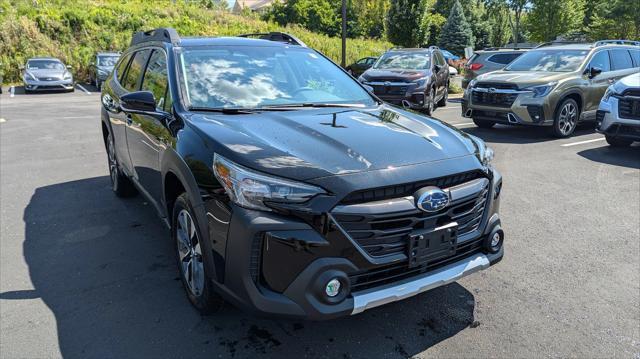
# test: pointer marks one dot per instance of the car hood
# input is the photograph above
(393, 75)
(522, 78)
(57, 74)
(632, 80)
(314, 143)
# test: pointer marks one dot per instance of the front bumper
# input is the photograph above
(278, 265)
(523, 110)
(37, 85)
(398, 92)
(611, 124)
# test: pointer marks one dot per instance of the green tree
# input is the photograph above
(315, 15)
(617, 19)
(498, 18)
(456, 33)
(403, 22)
(549, 19)
(516, 12)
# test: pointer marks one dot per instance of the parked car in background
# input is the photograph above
(101, 67)
(414, 78)
(618, 116)
(299, 195)
(46, 74)
(484, 61)
(554, 86)
(357, 68)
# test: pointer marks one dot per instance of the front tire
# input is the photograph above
(120, 183)
(445, 97)
(618, 141)
(429, 104)
(190, 259)
(566, 119)
(484, 123)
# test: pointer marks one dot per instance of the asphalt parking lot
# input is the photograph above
(86, 274)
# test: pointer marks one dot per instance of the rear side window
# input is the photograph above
(130, 81)
(503, 59)
(601, 61)
(155, 78)
(635, 54)
(620, 59)
(122, 66)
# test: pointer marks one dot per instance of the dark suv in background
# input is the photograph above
(414, 78)
(287, 187)
(487, 60)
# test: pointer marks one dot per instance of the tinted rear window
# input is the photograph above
(620, 59)
(635, 54)
(503, 58)
(135, 70)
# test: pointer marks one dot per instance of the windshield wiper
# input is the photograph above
(311, 104)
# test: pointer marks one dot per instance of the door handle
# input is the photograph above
(129, 119)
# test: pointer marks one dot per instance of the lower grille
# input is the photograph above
(493, 99)
(600, 116)
(381, 234)
(629, 108)
(390, 90)
(392, 273)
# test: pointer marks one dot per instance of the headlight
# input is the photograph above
(251, 189)
(361, 79)
(472, 83)
(484, 153)
(421, 82)
(542, 90)
(29, 75)
(67, 75)
(610, 91)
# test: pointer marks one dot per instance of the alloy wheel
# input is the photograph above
(567, 119)
(190, 253)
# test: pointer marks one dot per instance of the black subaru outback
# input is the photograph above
(288, 188)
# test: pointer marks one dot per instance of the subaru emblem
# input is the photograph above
(431, 199)
(492, 89)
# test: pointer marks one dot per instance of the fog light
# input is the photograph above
(333, 288)
(495, 240)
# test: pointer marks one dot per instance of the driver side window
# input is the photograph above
(601, 61)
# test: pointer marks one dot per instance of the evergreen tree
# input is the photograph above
(456, 33)
(403, 22)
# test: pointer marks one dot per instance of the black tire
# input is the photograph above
(120, 183)
(429, 102)
(201, 295)
(565, 118)
(484, 123)
(445, 96)
(618, 141)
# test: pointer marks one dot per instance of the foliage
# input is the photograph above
(617, 19)
(75, 30)
(550, 18)
(403, 22)
(456, 33)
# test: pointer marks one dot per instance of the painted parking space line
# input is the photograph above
(582, 142)
(2, 120)
(83, 89)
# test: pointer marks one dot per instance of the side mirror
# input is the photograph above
(141, 102)
(594, 71)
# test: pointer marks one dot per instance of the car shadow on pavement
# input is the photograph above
(104, 266)
(623, 157)
(522, 134)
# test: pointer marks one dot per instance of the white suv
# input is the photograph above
(618, 116)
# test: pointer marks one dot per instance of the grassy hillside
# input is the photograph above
(74, 30)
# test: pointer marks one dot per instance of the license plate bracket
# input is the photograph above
(430, 245)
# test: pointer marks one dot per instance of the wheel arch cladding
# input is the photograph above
(574, 95)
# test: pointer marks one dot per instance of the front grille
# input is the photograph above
(382, 90)
(631, 92)
(496, 85)
(48, 79)
(629, 108)
(395, 272)
(381, 234)
(408, 189)
(493, 98)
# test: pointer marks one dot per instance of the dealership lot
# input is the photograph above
(85, 274)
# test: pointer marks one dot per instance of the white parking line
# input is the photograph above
(83, 89)
(582, 142)
(2, 120)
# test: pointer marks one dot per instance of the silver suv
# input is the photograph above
(618, 116)
(487, 60)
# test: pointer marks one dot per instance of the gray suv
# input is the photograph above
(487, 60)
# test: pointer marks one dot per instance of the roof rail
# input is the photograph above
(559, 42)
(616, 42)
(495, 48)
(167, 34)
(278, 37)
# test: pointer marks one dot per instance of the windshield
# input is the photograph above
(253, 77)
(549, 61)
(108, 61)
(45, 64)
(404, 61)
